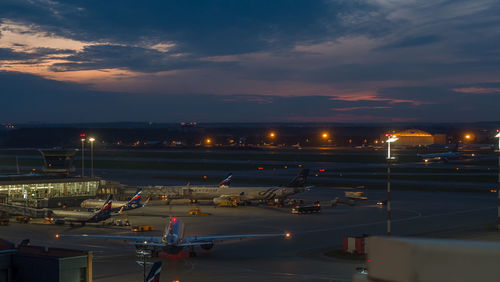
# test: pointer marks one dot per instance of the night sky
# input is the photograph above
(250, 61)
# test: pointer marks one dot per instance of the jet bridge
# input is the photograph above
(25, 211)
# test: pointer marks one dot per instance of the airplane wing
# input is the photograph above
(134, 240)
(231, 196)
(202, 240)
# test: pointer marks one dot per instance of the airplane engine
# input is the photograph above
(219, 200)
(207, 246)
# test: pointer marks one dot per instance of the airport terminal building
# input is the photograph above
(54, 187)
(46, 191)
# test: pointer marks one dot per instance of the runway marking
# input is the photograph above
(396, 220)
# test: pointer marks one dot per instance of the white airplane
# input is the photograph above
(173, 240)
(222, 193)
(446, 156)
(82, 217)
(133, 203)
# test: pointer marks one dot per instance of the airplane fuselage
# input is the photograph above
(97, 204)
(77, 216)
(243, 193)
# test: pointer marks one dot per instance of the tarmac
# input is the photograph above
(301, 258)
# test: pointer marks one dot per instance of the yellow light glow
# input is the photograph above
(272, 134)
(324, 135)
(467, 136)
(91, 139)
(208, 140)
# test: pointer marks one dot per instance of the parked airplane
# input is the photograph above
(173, 240)
(62, 216)
(154, 273)
(133, 203)
(239, 194)
(446, 156)
(227, 181)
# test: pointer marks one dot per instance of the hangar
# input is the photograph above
(414, 137)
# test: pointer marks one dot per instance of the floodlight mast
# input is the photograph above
(498, 186)
(92, 139)
(389, 141)
(498, 136)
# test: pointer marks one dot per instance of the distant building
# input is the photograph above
(414, 137)
(440, 138)
(58, 161)
(34, 263)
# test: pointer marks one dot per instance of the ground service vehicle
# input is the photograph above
(306, 209)
(227, 203)
(197, 211)
(4, 219)
(142, 228)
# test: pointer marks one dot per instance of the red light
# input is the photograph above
(83, 135)
(260, 168)
(368, 260)
(387, 134)
(322, 170)
(174, 219)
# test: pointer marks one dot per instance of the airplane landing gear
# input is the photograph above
(192, 253)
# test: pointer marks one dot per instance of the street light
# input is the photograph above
(272, 135)
(498, 136)
(389, 141)
(92, 139)
(498, 188)
(82, 138)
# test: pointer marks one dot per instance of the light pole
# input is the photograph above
(389, 158)
(82, 136)
(92, 139)
(498, 187)
(272, 136)
(325, 136)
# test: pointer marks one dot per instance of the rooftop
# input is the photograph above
(40, 251)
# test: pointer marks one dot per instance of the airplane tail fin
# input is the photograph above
(171, 232)
(300, 179)
(154, 273)
(226, 181)
(106, 208)
(136, 199)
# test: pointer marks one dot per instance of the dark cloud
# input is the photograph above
(421, 43)
(201, 27)
(8, 54)
(412, 42)
(132, 58)
(32, 98)
(36, 54)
